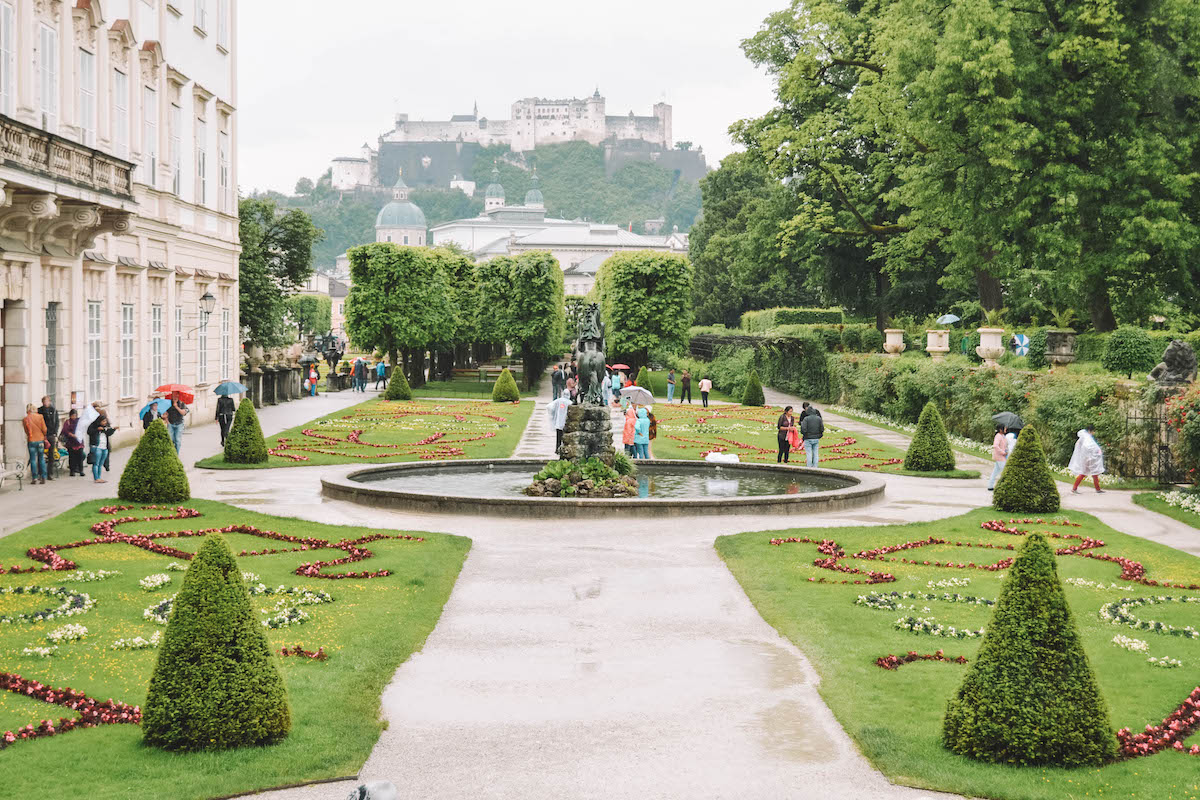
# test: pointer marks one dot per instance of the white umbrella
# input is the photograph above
(638, 395)
(947, 319)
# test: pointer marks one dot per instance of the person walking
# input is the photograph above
(35, 439)
(558, 417)
(50, 417)
(812, 428)
(99, 433)
(360, 375)
(225, 412)
(557, 382)
(685, 387)
(671, 385)
(705, 388)
(380, 375)
(616, 386)
(999, 456)
(175, 414)
(313, 377)
(150, 415)
(641, 435)
(1087, 460)
(653, 431)
(628, 433)
(784, 427)
(71, 436)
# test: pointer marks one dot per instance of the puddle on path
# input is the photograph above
(790, 732)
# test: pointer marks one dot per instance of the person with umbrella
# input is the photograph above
(153, 410)
(225, 405)
(1087, 460)
(175, 414)
(999, 455)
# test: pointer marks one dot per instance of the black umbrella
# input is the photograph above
(1009, 420)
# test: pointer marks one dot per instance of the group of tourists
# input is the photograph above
(808, 429)
(685, 388)
(1087, 460)
(43, 433)
(173, 417)
(640, 429)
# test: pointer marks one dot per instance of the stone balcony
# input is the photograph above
(63, 161)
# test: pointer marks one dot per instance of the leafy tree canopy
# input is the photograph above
(276, 259)
(646, 302)
(310, 313)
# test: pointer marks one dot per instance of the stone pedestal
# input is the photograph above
(588, 433)
(1060, 348)
(937, 344)
(893, 344)
(991, 345)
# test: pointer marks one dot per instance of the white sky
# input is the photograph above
(318, 78)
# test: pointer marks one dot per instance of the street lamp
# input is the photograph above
(207, 304)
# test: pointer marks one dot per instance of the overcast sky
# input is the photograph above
(318, 78)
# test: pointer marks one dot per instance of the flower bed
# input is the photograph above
(91, 712)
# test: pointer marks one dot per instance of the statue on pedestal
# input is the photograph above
(1178, 365)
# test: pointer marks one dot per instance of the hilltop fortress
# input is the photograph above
(442, 153)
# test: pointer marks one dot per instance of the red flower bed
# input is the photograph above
(297, 650)
(91, 712)
(896, 662)
(1178, 726)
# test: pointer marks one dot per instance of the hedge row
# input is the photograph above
(771, 318)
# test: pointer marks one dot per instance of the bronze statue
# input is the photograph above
(1178, 365)
(589, 356)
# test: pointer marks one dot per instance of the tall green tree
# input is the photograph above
(521, 302)
(310, 313)
(462, 292)
(276, 259)
(398, 303)
(646, 302)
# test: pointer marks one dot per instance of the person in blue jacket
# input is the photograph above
(641, 435)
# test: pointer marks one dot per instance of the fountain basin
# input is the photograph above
(671, 488)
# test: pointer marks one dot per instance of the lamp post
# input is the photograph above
(207, 304)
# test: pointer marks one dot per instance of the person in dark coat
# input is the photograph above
(360, 375)
(99, 433)
(50, 417)
(73, 438)
(225, 412)
(784, 425)
(812, 428)
(557, 381)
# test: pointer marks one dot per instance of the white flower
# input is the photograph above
(85, 576)
(250, 577)
(40, 652)
(1137, 645)
(67, 633)
(138, 643)
(156, 581)
(175, 566)
(1164, 662)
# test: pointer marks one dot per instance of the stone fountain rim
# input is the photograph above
(862, 489)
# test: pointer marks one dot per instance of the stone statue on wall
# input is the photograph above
(1178, 365)
(589, 356)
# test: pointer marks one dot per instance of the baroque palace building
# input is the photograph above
(118, 210)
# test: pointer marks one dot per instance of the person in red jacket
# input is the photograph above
(35, 438)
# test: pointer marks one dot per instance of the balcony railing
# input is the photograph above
(33, 150)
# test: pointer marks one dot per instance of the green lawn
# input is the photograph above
(468, 429)
(658, 387)
(465, 387)
(1154, 502)
(691, 431)
(895, 716)
(370, 628)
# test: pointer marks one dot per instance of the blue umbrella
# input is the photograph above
(1021, 344)
(160, 405)
(230, 387)
(947, 319)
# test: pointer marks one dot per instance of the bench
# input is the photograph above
(10, 470)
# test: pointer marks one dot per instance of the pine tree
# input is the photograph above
(1026, 485)
(643, 378)
(752, 395)
(245, 443)
(1030, 698)
(215, 685)
(154, 473)
(505, 390)
(398, 388)
(929, 450)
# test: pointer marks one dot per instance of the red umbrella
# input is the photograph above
(620, 366)
(184, 393)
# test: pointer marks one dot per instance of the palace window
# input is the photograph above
(226, 342)
(201, 162)
(202, 14)
(156, 345)
(178, 344)
(87, 97)
(8, 65)
(150, 134)
(52, 349)
(175, 149)
(48, 76)
(120, 112)
(202, 347)
(223, 23)
(95, 352)
(223, 199)
(126, 350)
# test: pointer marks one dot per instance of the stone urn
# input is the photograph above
(991, 345)
(937, 344)
(1060, 348)
(893, 343)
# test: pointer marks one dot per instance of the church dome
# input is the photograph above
(401, 212)
(534, 196)
(494, 190)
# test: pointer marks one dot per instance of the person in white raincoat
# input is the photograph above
(558, 417)
(1087, 460)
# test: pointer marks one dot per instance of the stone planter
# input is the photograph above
(937, 344)
(893, 343)
(1060, 348)
(991, 345)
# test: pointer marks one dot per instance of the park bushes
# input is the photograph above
(398, 388)
(215, 685)
(505, 390)
(1130, 350)
(795, 364)
(1030, 697)
(643, 378)
(752, 395)
(1026, 485)
(154, 473)
(770, 318)
(929, 450)
(245, 443)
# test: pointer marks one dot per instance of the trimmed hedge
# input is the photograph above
(1030, 697)
(929, 450)
(795, 364)
(1130, 350)
(215, 685)
(154, 473)
(643, 378)
(1026, 485)
(770, 318)
(398, 388)
(753, 393)
(245, 443)
(1036, 359)
(505, 390)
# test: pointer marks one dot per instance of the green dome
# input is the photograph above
(494, 189)
(400, 214)
(534, 196)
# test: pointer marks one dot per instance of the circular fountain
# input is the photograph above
(665, 488)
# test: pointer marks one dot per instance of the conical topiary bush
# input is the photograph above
(245, 444)
(929, 450)
(215, 684)
(154, 473)
(1030, 698)
(1026, 485)
(643, 378)
(398, 388)
(752, 395)
(505, 390)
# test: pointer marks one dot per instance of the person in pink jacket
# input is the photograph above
(627, 434)
(999, 456)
